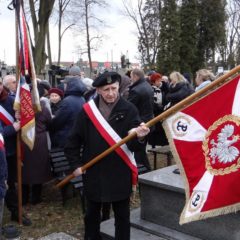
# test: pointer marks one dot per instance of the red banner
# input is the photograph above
(27, 113)
(26, 101)
(205, 140)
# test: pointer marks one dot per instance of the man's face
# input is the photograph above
(109, 92)
(11, 83)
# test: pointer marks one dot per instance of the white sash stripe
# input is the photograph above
(6, 114)
(111, 132)
(1, 138)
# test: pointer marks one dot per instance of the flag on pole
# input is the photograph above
(205, 141)
(26, 101)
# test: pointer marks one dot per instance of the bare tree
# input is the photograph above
(49, 47)
(62, 6)
(40, 20)
(233, 31)
(147, 19)
(88, 24)
(135, 14)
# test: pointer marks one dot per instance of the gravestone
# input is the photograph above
(162, 201)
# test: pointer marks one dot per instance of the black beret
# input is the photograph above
(106, 78)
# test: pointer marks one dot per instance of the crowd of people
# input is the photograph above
(90, 114)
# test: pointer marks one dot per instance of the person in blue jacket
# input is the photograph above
(68, 110)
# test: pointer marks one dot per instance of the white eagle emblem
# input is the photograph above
(223, 149)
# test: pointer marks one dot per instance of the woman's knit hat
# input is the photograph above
(57, 91)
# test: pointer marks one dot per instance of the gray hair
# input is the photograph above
(7, 78)
(138, 72)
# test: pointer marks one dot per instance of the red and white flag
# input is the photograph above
(205, 140)
(26, 100)
(23, 103)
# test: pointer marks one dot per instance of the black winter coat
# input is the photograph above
(3, 170)
(110, 179)
(177, 93)
(36, 162)
(141, 95)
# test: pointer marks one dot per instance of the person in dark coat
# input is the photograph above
(160, 89)
(9, 135)
(36, 162)
(3, 177)
(124, 86)
(179, 89)
(65, 116)
(109, 180)
(141, 95)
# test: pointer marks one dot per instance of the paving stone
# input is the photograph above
(58, 236)
(107, 230)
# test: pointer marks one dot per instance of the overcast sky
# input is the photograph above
(121, 37)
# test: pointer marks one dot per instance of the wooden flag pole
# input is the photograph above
(19, 178)
(19, 160)
(185, 102)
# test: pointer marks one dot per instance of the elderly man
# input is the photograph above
(10, 128)
(9, 82)
(103, 122)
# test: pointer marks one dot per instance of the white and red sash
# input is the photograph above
(108, 133)
(1, 142)
(5, 116)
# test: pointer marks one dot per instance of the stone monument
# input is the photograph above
(162, 201)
